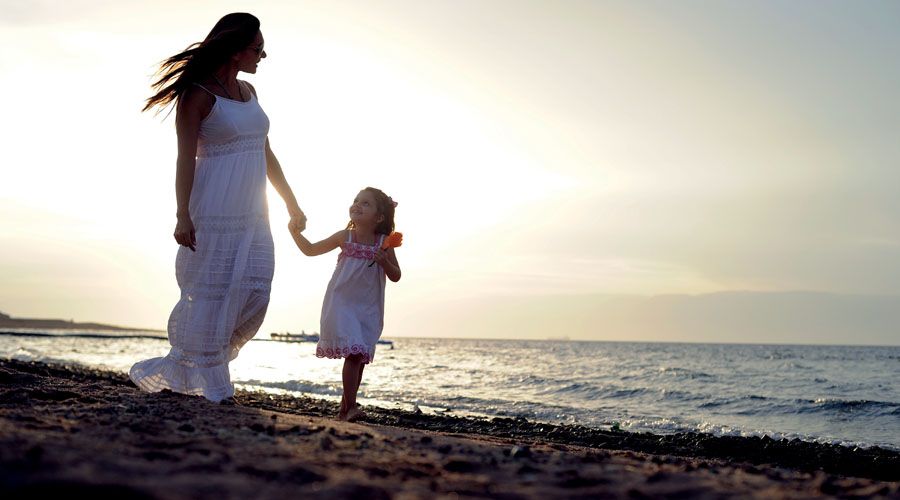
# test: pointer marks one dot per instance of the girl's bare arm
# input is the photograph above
(319, 247)
(387, 259)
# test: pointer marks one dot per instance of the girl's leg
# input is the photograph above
(353, 412)
(344, 406)
(351, 376)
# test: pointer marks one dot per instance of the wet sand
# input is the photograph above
(73, 431)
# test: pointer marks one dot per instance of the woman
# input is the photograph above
(225, 264)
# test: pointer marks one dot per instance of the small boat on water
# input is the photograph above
(295, 337)
(311, 337)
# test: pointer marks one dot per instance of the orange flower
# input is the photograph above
(393, 240)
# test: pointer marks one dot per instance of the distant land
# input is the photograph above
(743, 317)
(60, 324)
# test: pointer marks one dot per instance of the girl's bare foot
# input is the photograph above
(352, 415)
(355, 414)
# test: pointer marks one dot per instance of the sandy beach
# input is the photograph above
(70, 430)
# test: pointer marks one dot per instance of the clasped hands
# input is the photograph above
(298, 221)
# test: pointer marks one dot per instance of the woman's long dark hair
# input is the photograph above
(232, 34)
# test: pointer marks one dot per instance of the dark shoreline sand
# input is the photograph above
(71, 430)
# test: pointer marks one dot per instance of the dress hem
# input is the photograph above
(368, 353)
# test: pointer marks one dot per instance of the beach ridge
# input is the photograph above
(75, 429)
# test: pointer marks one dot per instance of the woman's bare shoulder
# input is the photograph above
(250, 86)
(196, 99)
(194, 105)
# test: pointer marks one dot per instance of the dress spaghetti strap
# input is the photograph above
(206, 89)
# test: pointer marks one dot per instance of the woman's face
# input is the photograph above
(249, 58)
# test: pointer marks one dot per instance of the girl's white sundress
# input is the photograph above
(225, 284)
(353, 308)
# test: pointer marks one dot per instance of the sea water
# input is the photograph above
(833, 394)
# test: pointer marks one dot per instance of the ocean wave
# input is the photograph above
(755, 402)
(682, 396)
(678, 372)
(780, 355)
(593, 391)
(533, 380)
(612, 393)
(672, 426)
(492, 407)
(842, 405)
(471, 401)
(302, 386)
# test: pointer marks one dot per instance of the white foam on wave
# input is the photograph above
(672, 426)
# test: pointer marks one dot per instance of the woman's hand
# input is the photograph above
(298, 220)
(184, 232)
(294, 226)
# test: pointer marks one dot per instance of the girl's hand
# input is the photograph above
(388, 263)
(298, 221)
(185, 234)
(381, 257)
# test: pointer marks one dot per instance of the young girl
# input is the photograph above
(353, 308)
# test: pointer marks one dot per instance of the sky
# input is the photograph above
(552, 161)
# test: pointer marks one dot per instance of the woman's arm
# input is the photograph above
(193, 106)
(319, 247)
(387, 259)
(276, 177)
(280, 183)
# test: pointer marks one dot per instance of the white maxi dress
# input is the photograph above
(225, 284)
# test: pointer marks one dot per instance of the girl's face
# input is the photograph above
(364, 209)
(249, 58)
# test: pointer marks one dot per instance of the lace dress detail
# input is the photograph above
(235, 145)
(353, 308)
(225, 284)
